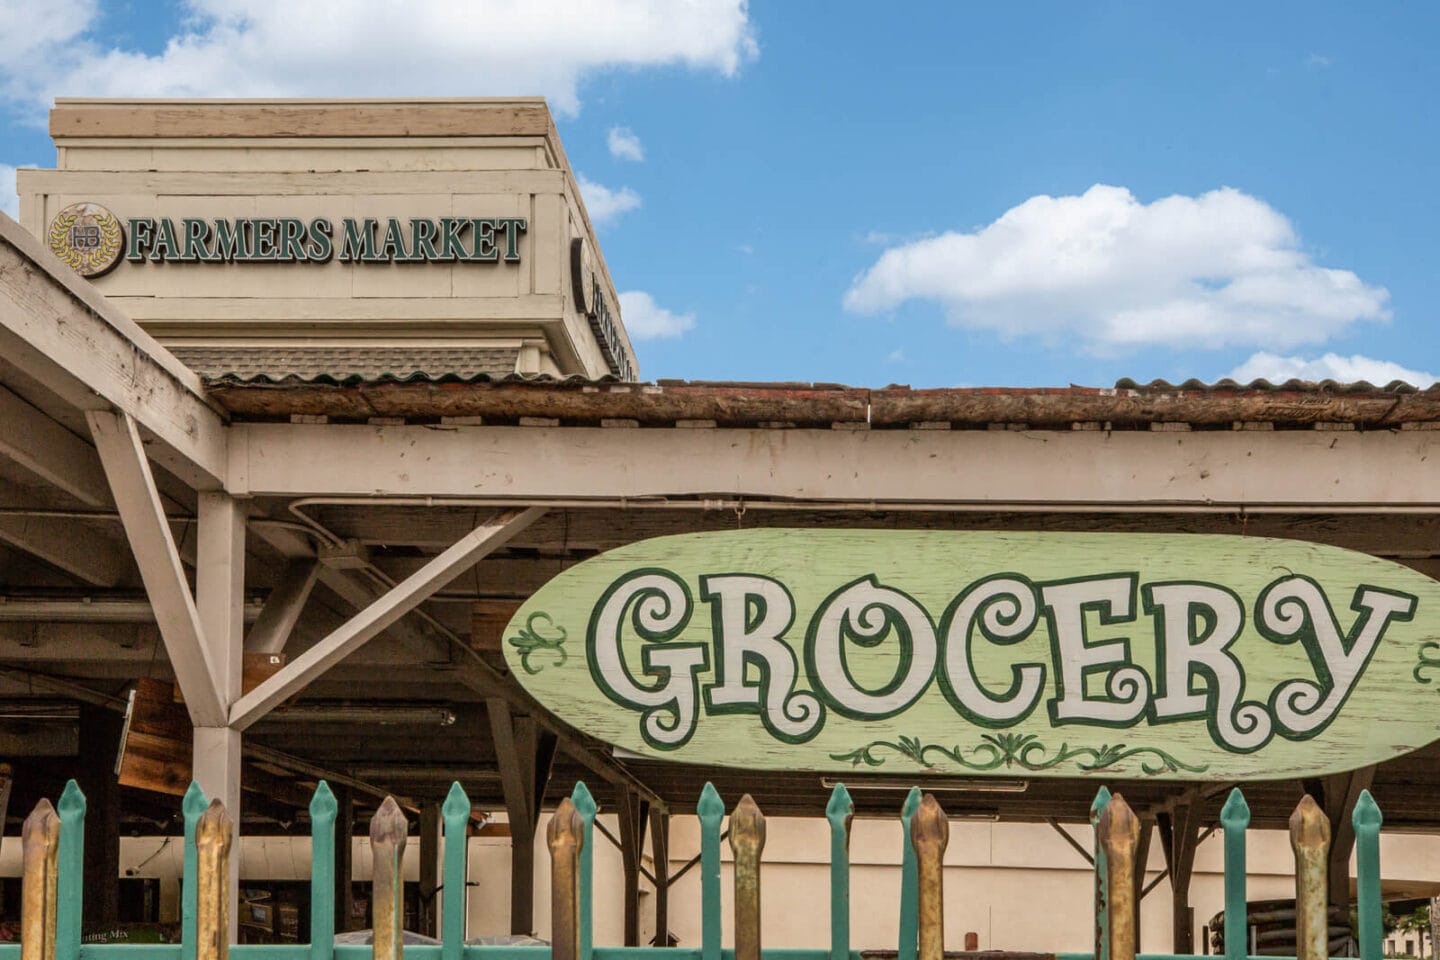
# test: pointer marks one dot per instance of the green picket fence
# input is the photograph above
(54, 858)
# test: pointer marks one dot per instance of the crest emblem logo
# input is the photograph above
(88, 237)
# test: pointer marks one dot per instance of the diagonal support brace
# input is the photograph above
(132, 484)
(385, 611)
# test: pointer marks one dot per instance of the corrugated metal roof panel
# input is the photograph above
(347, 364)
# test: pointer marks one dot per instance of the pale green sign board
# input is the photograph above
(1177, 657)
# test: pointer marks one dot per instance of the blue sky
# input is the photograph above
(934, 194)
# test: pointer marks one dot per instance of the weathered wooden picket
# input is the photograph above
(54, 857)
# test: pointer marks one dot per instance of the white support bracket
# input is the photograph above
(132, 484)
(385, 611)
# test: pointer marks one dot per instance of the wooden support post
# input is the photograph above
(1337, 795)
(7, 780)
(99, 742)
(1179, 836)
(660, 860)
(524, 752)
(429, 867)
(344, 856)
(634, 812)
(1142, 860)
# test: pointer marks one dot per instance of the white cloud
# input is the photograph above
(9, 202)
(1220, 269)
(644, 319)
(896, 356)
(1331, 366)
(624, 145)
(605, 205)
(260, 48)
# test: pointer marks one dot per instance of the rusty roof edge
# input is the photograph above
(577, 400)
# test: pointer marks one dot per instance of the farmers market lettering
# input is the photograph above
(291, 240)
(1193, 625)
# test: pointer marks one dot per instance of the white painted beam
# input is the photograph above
(74, 546)
(220, 589)
(351, 586)
(62, 333)
(117, 438)
(386, 610)
(1040, 469)
(282, 608)
(51, 452)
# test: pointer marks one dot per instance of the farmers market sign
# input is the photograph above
(1173, 657)
(93, 240)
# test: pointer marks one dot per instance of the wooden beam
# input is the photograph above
(62, 333)
(1338, 795)
(430, 825)
(99, 743)
(7, 780)
(30, 738)
(385, 611)
(660, 859)
(75, 546)
(524, 758)
(51, 452)
(1179, 838)
(344, 857)
(634, 813)
(282, 608)
(356, 590)
(1142, 860)
(117, 438)
(1211, 471)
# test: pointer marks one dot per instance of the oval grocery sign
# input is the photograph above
(1180, 657)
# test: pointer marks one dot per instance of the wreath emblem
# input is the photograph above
(87, 237)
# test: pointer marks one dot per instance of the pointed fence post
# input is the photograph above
(1366, 821)
(711, 810)
(840, 811)
(387, 881)
(566, 837)
(456, 814)
(213, 837)
(323, 808)
(1118, 833)
(1102, 898)
(1234, 820)
(909, 881)
(40, 849)
(747, 841)
(194, 808)
(929, 836)
(585, 806)
(1310, 839)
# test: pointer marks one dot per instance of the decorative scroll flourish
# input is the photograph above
(1022, 750)
(1427, 661)
(536, 637)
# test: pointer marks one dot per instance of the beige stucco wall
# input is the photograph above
(362, 159)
